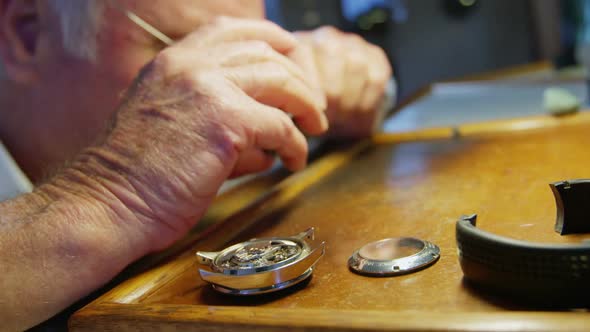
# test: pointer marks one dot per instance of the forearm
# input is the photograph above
(56, 245)
(19, 208)
(202, 109)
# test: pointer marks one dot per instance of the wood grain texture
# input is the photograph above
(485, 128)
(518, 71)
(216, 319)
(401, 187)
(238, 216)
(416, 189)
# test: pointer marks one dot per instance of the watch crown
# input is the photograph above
(307, 234)
(205, 257)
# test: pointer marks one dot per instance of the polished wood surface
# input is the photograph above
(485, 128)
(514, 72)
(229, 216)
(223, 319)
(419, 190)
(410, 185)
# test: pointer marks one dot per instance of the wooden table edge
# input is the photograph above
(121, 303)
(215, 318)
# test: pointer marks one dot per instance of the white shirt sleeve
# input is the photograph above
(13, 181)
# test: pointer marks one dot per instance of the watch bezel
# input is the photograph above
(428, 255)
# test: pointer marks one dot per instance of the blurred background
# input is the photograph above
(436, 40)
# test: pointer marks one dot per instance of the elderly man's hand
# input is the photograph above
(352, 73)
(211, 106)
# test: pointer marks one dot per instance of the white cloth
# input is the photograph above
(13, 181)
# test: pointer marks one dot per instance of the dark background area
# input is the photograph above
(438, 40)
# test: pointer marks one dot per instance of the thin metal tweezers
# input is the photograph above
(142, 23)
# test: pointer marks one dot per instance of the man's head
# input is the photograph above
(66, 64)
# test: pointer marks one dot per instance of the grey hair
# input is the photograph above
(80, 24)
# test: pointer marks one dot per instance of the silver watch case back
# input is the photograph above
(393, 256)
(261, 265)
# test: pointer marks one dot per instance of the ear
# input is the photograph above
(19, 36)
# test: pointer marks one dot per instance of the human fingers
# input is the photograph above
(230, 29)
(299, 62)
(269, 129)
(379, 73)
(356, 72)
(272, 84)
(253, 161)
(304, 56)
(330, 63)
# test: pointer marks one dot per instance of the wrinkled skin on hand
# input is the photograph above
(207, 108)
(353, 74)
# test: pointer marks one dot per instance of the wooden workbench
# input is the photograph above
(411, 184)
